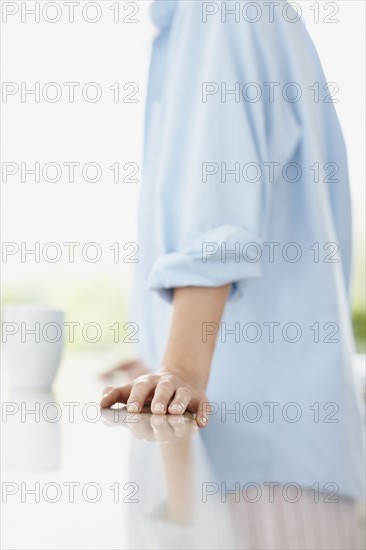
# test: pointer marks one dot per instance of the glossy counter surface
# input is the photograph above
(78, 478)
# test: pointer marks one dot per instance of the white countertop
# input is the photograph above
(145, 476)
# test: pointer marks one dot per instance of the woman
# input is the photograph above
(245, 240)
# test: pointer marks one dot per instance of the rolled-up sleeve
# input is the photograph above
(212, 190)
(214, 259)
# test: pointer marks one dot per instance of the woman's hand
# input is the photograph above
(165, 392)
(175, 390)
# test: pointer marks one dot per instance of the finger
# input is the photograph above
(112, 395)
(181, 400)
(141, 389)
(163, 393)
(203, 409)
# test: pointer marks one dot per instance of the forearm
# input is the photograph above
(187, 355)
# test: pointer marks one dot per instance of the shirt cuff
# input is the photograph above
(226, 254)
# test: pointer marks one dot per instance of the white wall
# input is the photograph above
(106, 132)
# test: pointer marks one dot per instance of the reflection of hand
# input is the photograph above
(132, 369)
(173, 434)
(163, 429)
(166, 393)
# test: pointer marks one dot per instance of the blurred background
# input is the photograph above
(101, 130)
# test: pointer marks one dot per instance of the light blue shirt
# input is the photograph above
(246, 182)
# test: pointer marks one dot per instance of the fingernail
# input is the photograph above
(204, 420)
(132, 407)
(176, 407)
(159, 407)
(107, 393)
